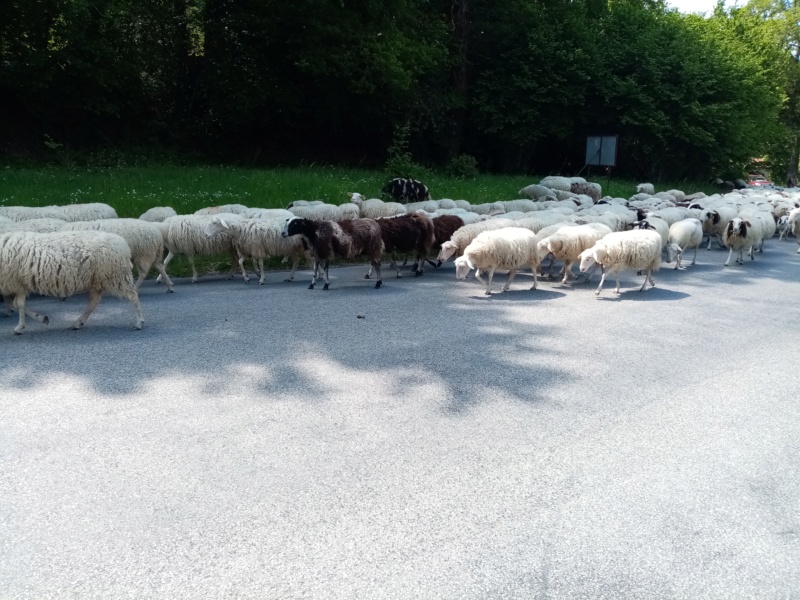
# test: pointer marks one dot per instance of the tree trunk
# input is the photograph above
(791, 168)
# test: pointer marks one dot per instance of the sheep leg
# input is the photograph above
(647, 277)
(94, 300)
(19, 303)
(162, 270)
(511, 274)
(393, 264)
(534, 267)
(190, 258)
(567, 271)
(8, 304)
(245, 276)
(314, 274)
(488, 291)
(694, 258)
(261, 271)
(420, 265)
(327, 281)
(602, 281)
(727, 262)
(709, 242)
(294, 268)
(478, 275)
(650, 277)
(170, 256)
(133, 297)
(377, 265)
(616, 278)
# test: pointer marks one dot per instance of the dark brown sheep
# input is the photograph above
(443, 229)
(407, 233)
(343, 239)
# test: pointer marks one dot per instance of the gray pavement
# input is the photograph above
(264, 442)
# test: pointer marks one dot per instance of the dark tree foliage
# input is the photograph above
(518, 84)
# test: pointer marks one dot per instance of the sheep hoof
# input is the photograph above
(398, 276)
(76, 326)
(378, 284)
(439, 263)
(419, 273)
(290, 279)
(46, 320)
(487, 293)
(260, 283)
(597, 292)
(366, 276)
(311, 287)
(138, 326)
(170, 290)
(414, 267)
(17, 331)
(325, 287)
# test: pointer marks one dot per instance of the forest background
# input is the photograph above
(457, 86)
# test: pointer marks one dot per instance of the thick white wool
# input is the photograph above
(158, 214)
(143, 238)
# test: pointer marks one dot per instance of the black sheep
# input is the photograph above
(408, 190)
(344, 239)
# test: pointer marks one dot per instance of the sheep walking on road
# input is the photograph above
(345, 239)
(65, 263)
(621, 250)
(508, 249)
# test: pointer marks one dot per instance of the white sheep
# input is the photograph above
(639, 249)
(259, 239)
(463, 236)
(26, 213)
(143, 238)
(266, 213)
(568, 242)
(762, 219)
(374, 208)
(715, 220)
(224, 208)
(157, 214)
(556, 183)
(510, 249)
(38, 225)
(488, 208)
(794, 224)
(429, 206)
(646, 188)
(519, 205)
(782, 227)
(88, 212)
(684, 235)
(656, 224)
(65, 263)
(539, 220)
(536, 191)
(185, 234)
(738, 235)
(317, 212)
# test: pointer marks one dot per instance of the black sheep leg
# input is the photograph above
(327, 282)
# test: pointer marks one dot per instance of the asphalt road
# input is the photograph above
(265, 442)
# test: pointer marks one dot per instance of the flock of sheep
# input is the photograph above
(65, 250)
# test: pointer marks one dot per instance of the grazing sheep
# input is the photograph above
(407, 189)
(64, 263)
(407, 233)
(186, 234)
(259, 239)
(684, 235)
(346, 239)
(738, 235)
(375, 208)
(510, 249)
(88, 212)
(568, 242)
(621, 250)
(143, 238)
(463, 236)
(158, 213)
(646, 188)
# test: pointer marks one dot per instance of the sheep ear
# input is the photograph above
(221, 222)
(469, 263)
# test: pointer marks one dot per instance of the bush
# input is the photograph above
(463, 166)
(400, 162)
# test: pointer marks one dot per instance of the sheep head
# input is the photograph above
(448, 249)
(463, 267)
(587, 259)
(216, 226)
(673, 251)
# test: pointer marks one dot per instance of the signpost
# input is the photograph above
(601, 150)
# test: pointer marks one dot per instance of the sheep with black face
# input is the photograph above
(344, 239)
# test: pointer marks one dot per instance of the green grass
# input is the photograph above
(131, 191)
